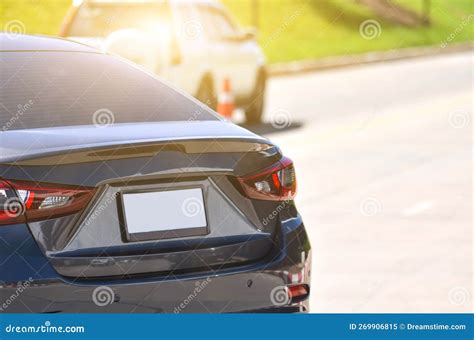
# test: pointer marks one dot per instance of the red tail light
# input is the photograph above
(11, 208)
(30, 201)
(298, 292)
(275, 183)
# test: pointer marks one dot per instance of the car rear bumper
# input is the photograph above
(255, 287)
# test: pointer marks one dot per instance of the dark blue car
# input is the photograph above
(119, 193)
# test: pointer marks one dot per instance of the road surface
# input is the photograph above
(383, 154)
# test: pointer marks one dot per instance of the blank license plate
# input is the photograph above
(164, 214)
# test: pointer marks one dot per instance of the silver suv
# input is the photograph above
(195, 45)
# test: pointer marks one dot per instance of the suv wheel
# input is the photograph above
(254, 111)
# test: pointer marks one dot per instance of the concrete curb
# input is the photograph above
(282, 69)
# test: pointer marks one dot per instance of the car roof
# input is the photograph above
(25, 42)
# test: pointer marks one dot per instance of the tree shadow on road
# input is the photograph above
(335, 13)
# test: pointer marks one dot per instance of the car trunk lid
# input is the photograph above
(153, 157)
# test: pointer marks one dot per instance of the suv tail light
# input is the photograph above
(22, 201)
(275, 183)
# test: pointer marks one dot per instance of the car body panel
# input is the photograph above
(241, 289)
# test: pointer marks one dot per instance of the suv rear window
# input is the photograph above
(51, 89)
(98, 19)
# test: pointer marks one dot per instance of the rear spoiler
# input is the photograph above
(86, 143)
(141, 150)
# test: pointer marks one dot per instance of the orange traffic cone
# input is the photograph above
(225, 104)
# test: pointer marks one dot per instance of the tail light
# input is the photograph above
(30, 201)
(11, 208)
(275, 183)
(298, 292)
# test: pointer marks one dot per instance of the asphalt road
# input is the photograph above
(383, 155)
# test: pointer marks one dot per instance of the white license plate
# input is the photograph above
(164, 214)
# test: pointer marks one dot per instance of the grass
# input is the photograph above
(295, 29)
(299, 29)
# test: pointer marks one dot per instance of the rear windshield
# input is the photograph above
(98, 19)
(51, 89)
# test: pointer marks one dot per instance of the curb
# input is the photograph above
(294, 67)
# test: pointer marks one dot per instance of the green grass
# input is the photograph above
(299, 29)
(295, 29)
(37, 16)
